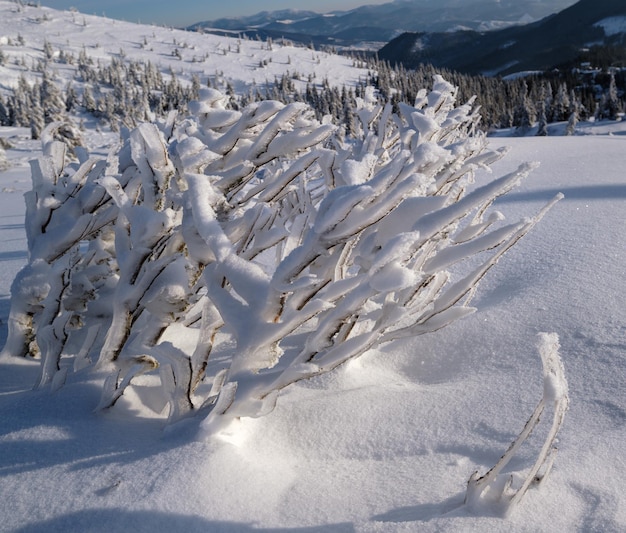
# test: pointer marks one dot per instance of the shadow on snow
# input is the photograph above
(581, 193)
(106, 520)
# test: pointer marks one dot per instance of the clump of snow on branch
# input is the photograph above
(211, 261)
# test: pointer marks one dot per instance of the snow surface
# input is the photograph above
(387, 442)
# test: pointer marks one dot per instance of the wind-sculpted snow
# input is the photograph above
(276, 248)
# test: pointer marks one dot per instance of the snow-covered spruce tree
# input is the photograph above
(4, 162)
(274, 248)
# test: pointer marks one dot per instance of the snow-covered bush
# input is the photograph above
(211, 263)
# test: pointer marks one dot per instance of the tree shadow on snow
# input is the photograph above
(39, 427)
(106, 520)
(13, 227)
(16, 255)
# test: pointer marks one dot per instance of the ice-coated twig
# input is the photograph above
(496, 489)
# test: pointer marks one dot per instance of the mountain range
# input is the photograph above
(381, 23)
(554, 41)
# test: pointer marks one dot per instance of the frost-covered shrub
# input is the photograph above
(236, 252)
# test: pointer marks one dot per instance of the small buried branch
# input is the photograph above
(504, 491)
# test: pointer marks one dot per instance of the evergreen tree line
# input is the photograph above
(535, 99)
(126, 93)
(542, 98)
(120, 93)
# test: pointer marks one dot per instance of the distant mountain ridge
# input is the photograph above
(259, 19)
(381, 23)
(551, 42)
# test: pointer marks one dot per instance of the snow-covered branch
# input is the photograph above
(502, 491)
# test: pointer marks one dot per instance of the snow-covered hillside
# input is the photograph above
(242, 62)
(385, 443)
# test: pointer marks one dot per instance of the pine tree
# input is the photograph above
(572, 123)
(545, 100)
(51, 100)
(612, 105)
(542, 123)
(71, 98)
(48, 50)
(5, 119)
(21, 102)
(88, 100)
(37, 122)
(561, 104)
(525, 112)
(4, 162)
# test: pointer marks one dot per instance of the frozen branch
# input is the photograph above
(502, 491)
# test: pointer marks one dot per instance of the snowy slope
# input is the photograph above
(244, 63)
(386, 443)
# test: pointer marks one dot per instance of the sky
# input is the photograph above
(185, 12)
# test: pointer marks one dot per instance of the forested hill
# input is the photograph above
(554, 41)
